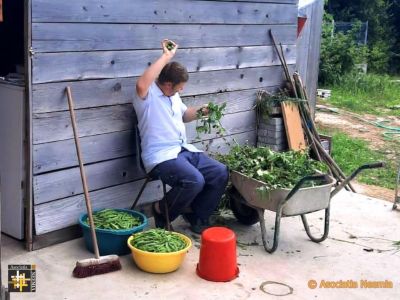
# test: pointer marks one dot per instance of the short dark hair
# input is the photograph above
(173, 72)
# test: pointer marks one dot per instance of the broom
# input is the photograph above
(98, 265)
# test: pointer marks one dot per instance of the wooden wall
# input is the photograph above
(308, 47)
(99, 47)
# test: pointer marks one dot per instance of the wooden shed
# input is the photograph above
(309, 43)
(99, 47)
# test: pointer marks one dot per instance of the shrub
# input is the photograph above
(339, 52)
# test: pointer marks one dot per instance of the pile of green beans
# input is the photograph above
(158, 240)
(114, 219)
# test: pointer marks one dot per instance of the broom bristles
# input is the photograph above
(93, 266)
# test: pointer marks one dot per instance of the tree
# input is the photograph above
(380, 29)
(394, 12)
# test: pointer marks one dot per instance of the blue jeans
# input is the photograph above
(197, 181)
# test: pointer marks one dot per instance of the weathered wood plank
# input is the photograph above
(233, 123)
(49, 127)
(88, 93)
(53, 67)
(236, 101)
(73, 231)
(267, 1)
(59, 155)
(223, 145)
(232, 80)
(66, 183)
(59, 37)
(55, 237)
(62, 213)
(49, 97)
(314, 54)
(161, 11)
(59, 214)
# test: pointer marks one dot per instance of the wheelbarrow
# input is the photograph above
(248, 203)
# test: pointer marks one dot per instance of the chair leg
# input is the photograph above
(166, 207)
(140, 193)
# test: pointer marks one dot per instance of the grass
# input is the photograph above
(350, 153)
(367, 93)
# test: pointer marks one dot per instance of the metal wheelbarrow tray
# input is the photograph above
(291, 202)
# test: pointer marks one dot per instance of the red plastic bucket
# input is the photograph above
(218, 255)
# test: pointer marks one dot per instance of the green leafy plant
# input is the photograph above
(339, 51)
(275, 169)
(397, 244)
(383, 28)
(366, 93)
(266, 102)
(350, 153)
(210, 120)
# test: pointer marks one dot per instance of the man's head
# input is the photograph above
(172, 78)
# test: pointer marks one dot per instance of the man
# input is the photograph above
(197, 181)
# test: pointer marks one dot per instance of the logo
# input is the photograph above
(312, 284)
(351, 284)
(22, 278)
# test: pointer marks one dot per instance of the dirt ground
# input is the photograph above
(355, 127)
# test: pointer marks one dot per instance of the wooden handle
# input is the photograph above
(83, 176)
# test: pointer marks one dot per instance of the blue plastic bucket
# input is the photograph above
(112, 241)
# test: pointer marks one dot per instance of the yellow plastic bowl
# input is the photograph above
(159, 262)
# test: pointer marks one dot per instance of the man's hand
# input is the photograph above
(203, 111)
(152, 72)
(169, 48)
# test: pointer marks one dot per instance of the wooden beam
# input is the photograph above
(60, 155)
(49, 97)
(50, 127)
(28, 157)
(53, 67)
(161, 11)
(61, 37)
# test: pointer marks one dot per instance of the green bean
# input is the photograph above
(158, 241)
(115, 220)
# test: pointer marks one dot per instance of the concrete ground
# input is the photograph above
(359, 247)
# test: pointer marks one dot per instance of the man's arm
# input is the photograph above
(191, 113)
(152, 72)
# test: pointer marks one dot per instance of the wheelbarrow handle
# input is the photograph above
(374, 165)
(302, 182)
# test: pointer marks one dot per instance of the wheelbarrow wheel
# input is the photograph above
(243, 213)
